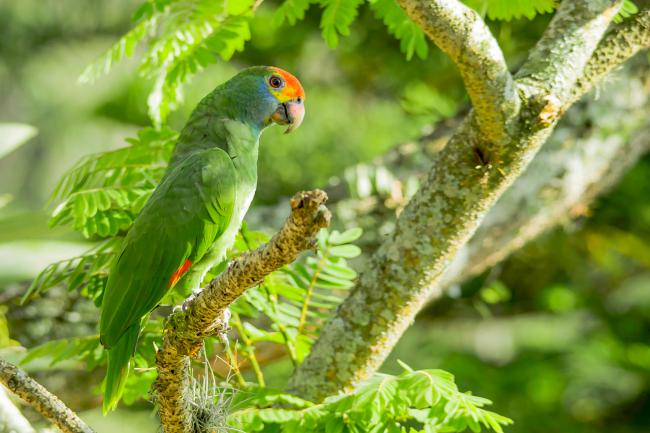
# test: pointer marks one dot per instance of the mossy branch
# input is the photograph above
(46, 403)
(461, 34)
(204, 314)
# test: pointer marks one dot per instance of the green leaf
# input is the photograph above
(384, 403)
(507, 10)
(77, 271)
(57, 351)
(627, 10)
(412, 38)
(292, 11)
(124, 47)
(345, 251)
(337, 238)
(337, 18)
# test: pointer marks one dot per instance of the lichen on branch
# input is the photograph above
(45, 403)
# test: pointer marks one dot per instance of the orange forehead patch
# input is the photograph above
(292, 88)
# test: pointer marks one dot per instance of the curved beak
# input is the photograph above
(289, 113)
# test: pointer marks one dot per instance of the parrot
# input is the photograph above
(195, 212)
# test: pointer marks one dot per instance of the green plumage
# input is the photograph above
(194, 214)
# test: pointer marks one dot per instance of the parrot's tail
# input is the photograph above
(119, 357)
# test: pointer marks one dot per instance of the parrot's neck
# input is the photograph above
(240, 140)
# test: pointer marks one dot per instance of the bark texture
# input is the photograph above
(205, 314)
(466, 179)
(47, 404)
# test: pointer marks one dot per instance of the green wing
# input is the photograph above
(187, 212)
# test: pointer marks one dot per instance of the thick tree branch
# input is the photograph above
(47, 404)
(466, 179)
(461, 34)
(618, 46)
(203, 314)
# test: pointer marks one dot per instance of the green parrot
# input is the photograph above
(193, 215)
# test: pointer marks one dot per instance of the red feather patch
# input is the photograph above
(179, 273)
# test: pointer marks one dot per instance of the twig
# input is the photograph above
(46, 403)
(204, 314)
(461, 33)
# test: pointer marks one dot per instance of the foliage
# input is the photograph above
(424, 401)
(87, 272)
(101, 195)
(412, 38)
(295, 301)
(86, 349)
(508, 10)
(627, 10)
(184, 37)
(5, 339)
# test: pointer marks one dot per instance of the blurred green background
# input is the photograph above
(557, 336)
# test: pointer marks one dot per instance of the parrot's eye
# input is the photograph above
(276, 82)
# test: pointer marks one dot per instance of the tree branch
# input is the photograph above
(618, 46)
(46, 403)
(560, 56)
(203, 314)
(461, 34)
(466, 179)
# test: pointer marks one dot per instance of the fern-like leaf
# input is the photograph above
(291, 11)
(102, 193)
(425, 400)
(507, 10)
(123, 48)
(627, 10)
(412, 39)
(297, 299)
(87, 272)
(337, 17)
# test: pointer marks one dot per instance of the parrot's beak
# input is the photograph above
(289, 113)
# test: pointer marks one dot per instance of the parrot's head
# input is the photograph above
(269, 95)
